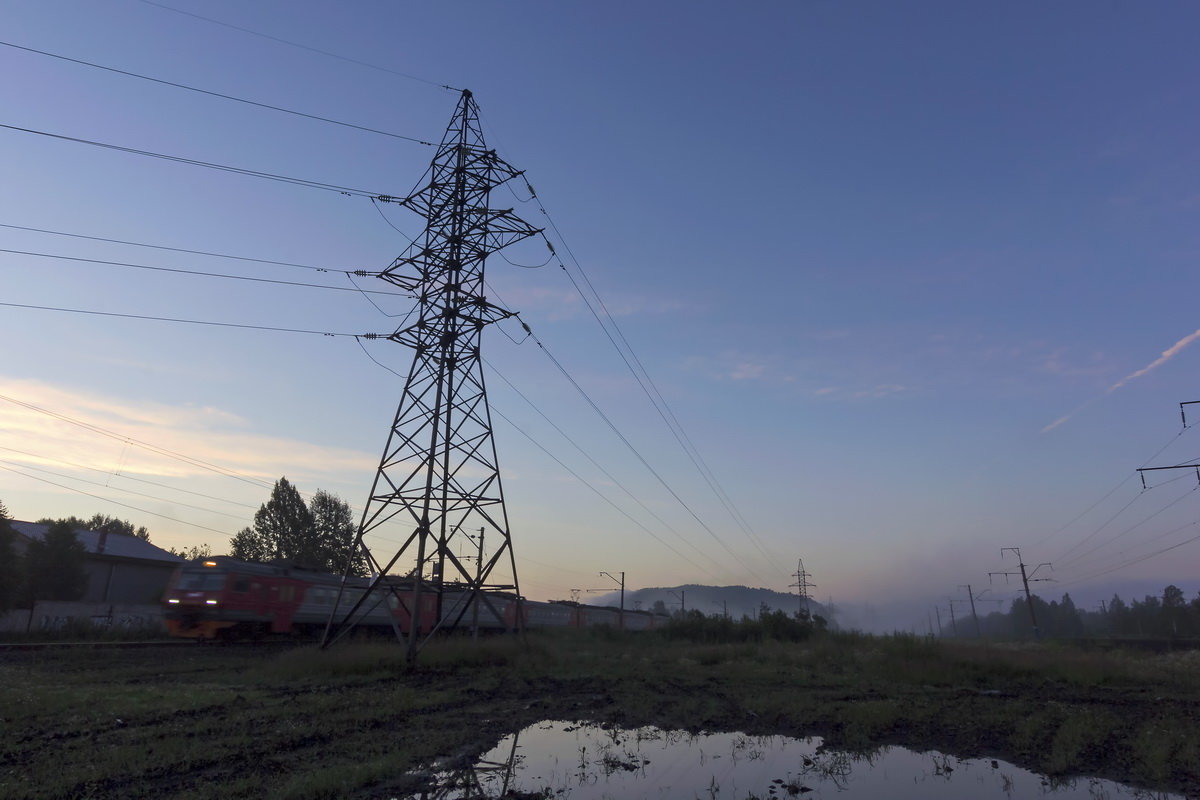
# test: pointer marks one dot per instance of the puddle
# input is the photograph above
(587, 762)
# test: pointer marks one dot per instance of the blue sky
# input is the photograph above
(871, 253)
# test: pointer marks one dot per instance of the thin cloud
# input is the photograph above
(204, 433)
(1166, 356)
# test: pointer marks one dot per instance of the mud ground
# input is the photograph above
(245, 722)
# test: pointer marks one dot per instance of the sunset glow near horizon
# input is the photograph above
(916, 280)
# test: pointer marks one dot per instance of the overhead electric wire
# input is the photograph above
(118, 474)
(643, 460)
(162, 451)
(175, 249)
(218, 94)
(330, 187)
(1111, 491)
(598, 493)
(186, 321)
(635, 451)
(1131, 528)
(577, 446)
(390, 223)
(202, 274)
(559, 462)
(1062, 556)
(120, 489)
(114, 502)
(290, 43)
(667, 415)
(1133, 561)
(1132, 548)
(672, 422)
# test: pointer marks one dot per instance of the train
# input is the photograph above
(223, 598)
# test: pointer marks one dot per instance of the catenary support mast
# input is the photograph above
(439, 476)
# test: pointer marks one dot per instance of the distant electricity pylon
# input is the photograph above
(802, 585)
(439, 476)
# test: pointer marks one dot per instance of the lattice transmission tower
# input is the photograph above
(438, 480)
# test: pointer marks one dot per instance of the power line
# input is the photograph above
(367, 64)
(648, 386)
(557, 460)
(330, 187)
(1131, 528)
(174, 249)
(585, 454)
(118, 474)
(1111, 491)
(200, 273)
(598, 493)
(641, 458)
(218, 94)
(162, 451)
(186, 321)
(1138, 560)
(114, 502)
(1062, 556)
(119, 489)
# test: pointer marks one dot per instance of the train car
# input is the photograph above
(222, 597)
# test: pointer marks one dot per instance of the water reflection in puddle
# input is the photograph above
(585, 762)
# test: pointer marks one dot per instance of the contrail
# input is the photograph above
(1166, 356)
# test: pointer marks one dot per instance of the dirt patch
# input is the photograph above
(230, 723)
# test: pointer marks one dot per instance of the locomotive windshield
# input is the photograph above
(201, 581)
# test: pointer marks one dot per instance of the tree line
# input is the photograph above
(1167, 616)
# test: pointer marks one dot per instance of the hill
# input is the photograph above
(712, 600)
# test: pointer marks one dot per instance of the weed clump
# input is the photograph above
(768, 626)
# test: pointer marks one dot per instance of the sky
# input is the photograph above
(916, 279)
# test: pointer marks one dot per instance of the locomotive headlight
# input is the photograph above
(210, 602)
(173, 600)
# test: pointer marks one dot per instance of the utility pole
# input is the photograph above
(974, 616)
(1025, 579)
(439, 471)
(724, 605)
(621, 583)
(682, 595)
(938, 611)
(953, 623)
(478, 574)
(802, 585)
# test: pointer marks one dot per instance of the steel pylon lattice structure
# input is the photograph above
(439, 476)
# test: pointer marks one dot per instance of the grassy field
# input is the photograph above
(212, 721)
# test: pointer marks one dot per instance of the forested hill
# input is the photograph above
(741, 600)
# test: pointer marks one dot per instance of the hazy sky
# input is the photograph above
(918, 278)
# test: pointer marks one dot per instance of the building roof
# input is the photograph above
(117, 545)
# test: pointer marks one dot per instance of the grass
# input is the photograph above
(224, 722)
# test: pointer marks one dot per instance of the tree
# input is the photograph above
(54, 565)
(10, 570)
(334, 532)
(102, 523)
(191, 553)
(319, 535)
(282, 527)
